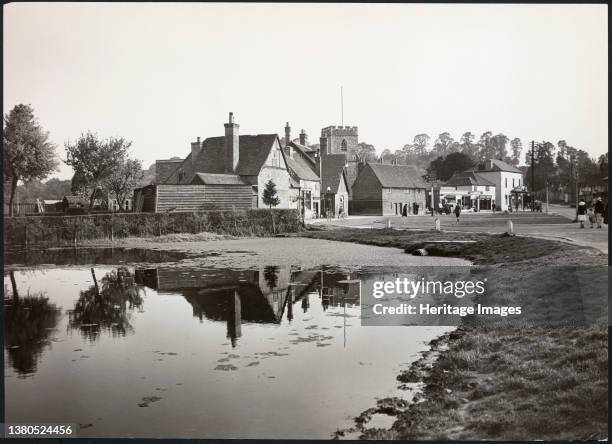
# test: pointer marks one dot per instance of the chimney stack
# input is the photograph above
(195, 150)
(303, 138)
(231, 145)
(323, 146)
(287, 134)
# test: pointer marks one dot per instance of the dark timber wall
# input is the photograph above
(203, 198)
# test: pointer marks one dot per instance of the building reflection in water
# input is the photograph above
(266, 295)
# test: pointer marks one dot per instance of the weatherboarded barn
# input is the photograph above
(220, 192)
(387, 190)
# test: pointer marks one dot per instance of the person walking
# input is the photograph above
(582, 212)
(599, 212)
(457, 212)
(591, 217)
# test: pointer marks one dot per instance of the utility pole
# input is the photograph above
(547, 195)
(532, 175)
(574, 176)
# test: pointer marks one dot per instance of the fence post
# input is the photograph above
(112, 230)
(437, 224)
(510, 228)
(26, 235)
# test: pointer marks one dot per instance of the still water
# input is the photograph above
(166, 351)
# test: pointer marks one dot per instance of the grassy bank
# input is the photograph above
(505, 383)
(82, 229)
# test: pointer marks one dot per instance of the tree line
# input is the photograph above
(103, 168)
(558, 164)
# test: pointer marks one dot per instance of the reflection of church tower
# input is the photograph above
(234, 319)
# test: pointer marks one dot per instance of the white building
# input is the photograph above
(470, 189)
(504, 176)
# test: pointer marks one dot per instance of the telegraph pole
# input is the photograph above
(532, 175)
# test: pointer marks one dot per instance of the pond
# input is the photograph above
(151, 350)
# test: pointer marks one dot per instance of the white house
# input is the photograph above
(504, 176)
(469, 188)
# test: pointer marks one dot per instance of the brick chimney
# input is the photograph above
(287, 134)
(303, 138)
(195, 150)
(231, 145)
(323, 146)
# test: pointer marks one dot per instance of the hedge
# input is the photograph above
(68, 230)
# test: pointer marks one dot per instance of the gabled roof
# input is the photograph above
(218, 179)
(332, 171)
(496, 165)
(460, 178)
(253, 152)
(397, 176)
(300, 168)
(304, 148)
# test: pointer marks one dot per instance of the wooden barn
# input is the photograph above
(222, 192)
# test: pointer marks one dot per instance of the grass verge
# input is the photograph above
(503, 383)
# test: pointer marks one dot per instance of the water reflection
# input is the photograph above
(251, 296)
(29, 322)
(106, 306)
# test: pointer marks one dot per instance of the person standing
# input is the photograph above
(457, 212)
(599, 212)
(582, 212)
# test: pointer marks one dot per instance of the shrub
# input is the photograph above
(65, 230)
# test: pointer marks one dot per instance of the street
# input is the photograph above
(556, 225)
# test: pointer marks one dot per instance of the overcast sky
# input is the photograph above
(163, 74)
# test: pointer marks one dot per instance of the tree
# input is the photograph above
(499, 143)
(442, 144)
(486, 148)
(366, 152)
(269, 195)
(517, 147)
(124, 179)
(28, 153)
(94, 160)
(444, 167)
(420, 143)
(468, 146)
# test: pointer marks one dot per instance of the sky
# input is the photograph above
(162, 74)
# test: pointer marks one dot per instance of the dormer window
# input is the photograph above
(181, 175)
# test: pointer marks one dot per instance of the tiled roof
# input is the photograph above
(460, 178)
(218, 179)
(300, 168)
(332, 169)
(397, 176)
(253, 152)
(496, 165)
(164, 168)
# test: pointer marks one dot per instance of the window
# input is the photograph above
(181, 175)
(519, 182)
(275, 159)
(487, 188)
(513, 182)
(343, 146)
(506, 182)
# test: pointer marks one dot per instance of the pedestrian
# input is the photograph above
(440, 207)
(582, 210)
(457, 212)
(599, 212)
(591, 217)
(405, 210)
